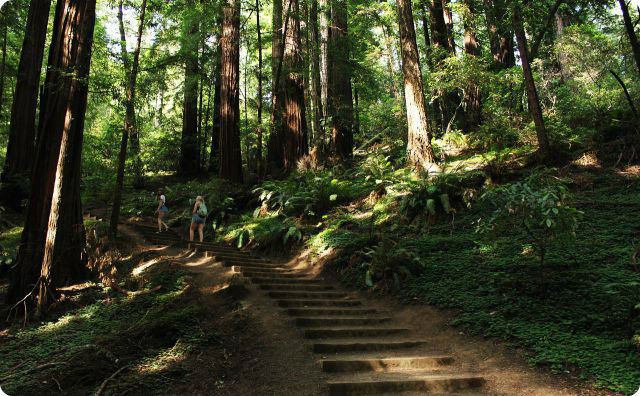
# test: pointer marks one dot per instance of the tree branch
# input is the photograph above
(537, 41)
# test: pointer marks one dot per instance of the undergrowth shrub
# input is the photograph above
(275, 233)
(539, 206)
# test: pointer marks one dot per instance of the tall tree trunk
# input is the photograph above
(214, 155)
(130, 125)
(275, 154)
(341, 100)
(230, 155)
(52, 250)
(259, 99)
(294, 124)
(201, 138)
(473, 96)
(22, 128)
(316, 86)
(631, 32)
(532, 94)
(448, 20)
(500, 35)
(356, 123)
(391, 69)
(425, 28)
(3, 66)
(439, 31)
(325, 63)
(419, 150)
(189, 151)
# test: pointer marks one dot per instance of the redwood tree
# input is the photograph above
(52, 250)
(316, 86)
(294, 124)
(274, 145)
(214, 154)
(341, 100)
(500, 34)
(419, 150)
(230, 154)
(189, 151)
(22, 128)
(130, 126)
(631, 32)
(472, 95)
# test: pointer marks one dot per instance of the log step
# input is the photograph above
(352, 332)
(393, 383)
(307, 295)
(318, 303)
(339, 321)
(303, 287)
(364, 346)
(385, 364)
(285, 281)
(306, 312)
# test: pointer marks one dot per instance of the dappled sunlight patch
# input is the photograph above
(588, 159)
(164, 359)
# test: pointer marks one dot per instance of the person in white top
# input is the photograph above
(162, 211)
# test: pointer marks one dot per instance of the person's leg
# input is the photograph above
(160, 215)
(191, 229)
(166, 227)
(201, 231)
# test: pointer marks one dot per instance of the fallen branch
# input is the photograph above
(31, 370)
(104, 383)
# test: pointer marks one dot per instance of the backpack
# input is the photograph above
(202, 210)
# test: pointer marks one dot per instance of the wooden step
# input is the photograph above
(303, 287)
(272, 272)
(306, 312)
(294, 295)
(391, 383)
(267, 280)
(320, 321)
(318, 303)
(364, 345)
(352, 332)
(385, 364)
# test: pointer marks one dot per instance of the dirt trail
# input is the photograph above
(307, 336)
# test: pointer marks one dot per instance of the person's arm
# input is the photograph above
(195, 208)
(159, 205)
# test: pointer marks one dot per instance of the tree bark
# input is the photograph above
(532, 94)
(473, 95)
(419, 150)
(500, 35)
(448, 20)
(316, 86)
(189, 151)
(341, 99)
(52, 249)
(631, 32)
(439, 30)
(275, 154)
(259, 99)
(325, 62)
(294, 124)
(130, 125)
(22, 128)
(356, 123)
(214, 155)
(425, 28)
(230, 155)
(3, 67)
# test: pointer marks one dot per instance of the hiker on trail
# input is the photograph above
(199, 217)
(161, 211)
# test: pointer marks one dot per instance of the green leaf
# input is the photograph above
(333, 197)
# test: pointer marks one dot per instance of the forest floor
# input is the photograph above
(208, 331)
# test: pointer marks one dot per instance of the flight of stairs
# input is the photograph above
(360, 348)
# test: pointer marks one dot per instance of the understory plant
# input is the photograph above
(538, 206)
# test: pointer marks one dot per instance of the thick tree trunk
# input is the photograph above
(316, 86)
(214, 155)
(439, 31)
(3, 67)
(275, 154)
(189, 151)
(500, 35)
(22, 128)
(230, 155)
(532, 94)
(294, 124)
(631, 32)
(341, 100)
(52, 249)
(473, 96)
(130, 125)
(325, 61)
(419, 150)
(448, 20)
(259, 99)
(201, 139)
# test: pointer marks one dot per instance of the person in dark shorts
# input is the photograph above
(162, 211)
(199, 218)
